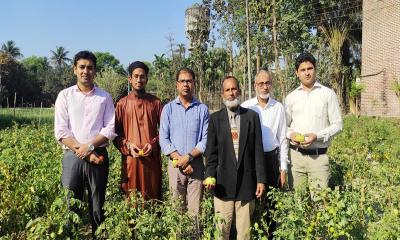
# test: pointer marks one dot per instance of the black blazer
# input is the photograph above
(236, 180)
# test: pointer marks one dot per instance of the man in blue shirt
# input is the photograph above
(183, 136)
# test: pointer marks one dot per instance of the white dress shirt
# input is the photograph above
(273, 126)
(316, 111)
(83, 116)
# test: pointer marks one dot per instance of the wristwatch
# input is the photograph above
(90, 148)
(191, 158)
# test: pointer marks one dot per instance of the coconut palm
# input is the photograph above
(10, 49)
(59, 58)
(335, 36)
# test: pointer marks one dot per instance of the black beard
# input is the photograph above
(140, 91)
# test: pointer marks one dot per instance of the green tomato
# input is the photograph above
(210, 181)
(299, 138)
(175, 163)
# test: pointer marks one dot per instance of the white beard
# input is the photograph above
(232, 104)
(263, 96)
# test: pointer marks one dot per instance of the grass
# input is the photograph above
(25, 116)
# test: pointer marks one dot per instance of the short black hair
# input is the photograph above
(137, 64)
(304, 57)
(85, 55)
(185, 69)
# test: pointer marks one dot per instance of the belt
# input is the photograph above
(312, 151)
(96, 149)
(273, 152)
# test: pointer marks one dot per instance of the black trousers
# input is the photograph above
(273, 178)
(78, 174)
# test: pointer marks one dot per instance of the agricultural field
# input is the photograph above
(363, 203)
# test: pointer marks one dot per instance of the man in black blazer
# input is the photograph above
(234, 155)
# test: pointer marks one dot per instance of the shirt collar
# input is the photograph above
(193, 102)
(316, 85)
(76, 89)
(271, 102)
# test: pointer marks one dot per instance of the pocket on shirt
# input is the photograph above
(98, 106)
(320, 110)
(194, 125)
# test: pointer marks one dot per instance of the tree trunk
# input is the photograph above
(248, 49)
(230, 55)
(258, 58)
(276, 53)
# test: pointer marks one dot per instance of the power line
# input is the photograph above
(328, 13)
(337, 6)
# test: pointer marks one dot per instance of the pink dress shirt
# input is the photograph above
(83, 116)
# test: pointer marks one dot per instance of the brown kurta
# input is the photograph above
(137, 120)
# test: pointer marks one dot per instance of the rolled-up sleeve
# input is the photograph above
(334, 119)
(281, 135)
(201, 145)
(165, 141)
(108, 129)
(61, 118)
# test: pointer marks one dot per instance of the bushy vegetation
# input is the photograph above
(363, 203)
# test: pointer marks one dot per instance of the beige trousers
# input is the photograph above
(311, 169)
(242, 209)
(184, 187)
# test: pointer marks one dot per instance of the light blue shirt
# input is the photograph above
(182, 129)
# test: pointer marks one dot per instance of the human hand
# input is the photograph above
(209, 183)
(96, 159)
(282, 178)
(188, 170)
(147, 150)
(124, 187)
(82, 150)
(309, 139)
(260, 190)
(133, 149)
(183, 161)
(294, 139)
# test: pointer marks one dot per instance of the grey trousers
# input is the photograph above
(78, 174)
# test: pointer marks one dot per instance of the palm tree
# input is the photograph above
(181, 50)
(59, 57)
(10, 49)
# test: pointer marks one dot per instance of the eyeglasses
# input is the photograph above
(137, 76)
(260, 84)
(183, 81)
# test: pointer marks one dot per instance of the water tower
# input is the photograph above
(197, 26)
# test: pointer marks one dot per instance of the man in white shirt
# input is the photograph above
(312, 113)
(273, 127)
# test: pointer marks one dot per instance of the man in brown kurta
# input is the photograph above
(137, 118)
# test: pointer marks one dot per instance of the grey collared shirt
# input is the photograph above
(234, 118)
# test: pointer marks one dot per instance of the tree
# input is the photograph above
(14, 80)
(162, 82)
(36, 64)
(113, 82)
(59, 57)
(36, 69)
(10, 49)
(335, 37)
(355, 93)
(106, 60)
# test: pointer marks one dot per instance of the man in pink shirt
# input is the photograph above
(84, 122)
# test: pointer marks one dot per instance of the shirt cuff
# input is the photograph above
(169, 150)
(200, 147)
(109, 135)
(322, 137)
